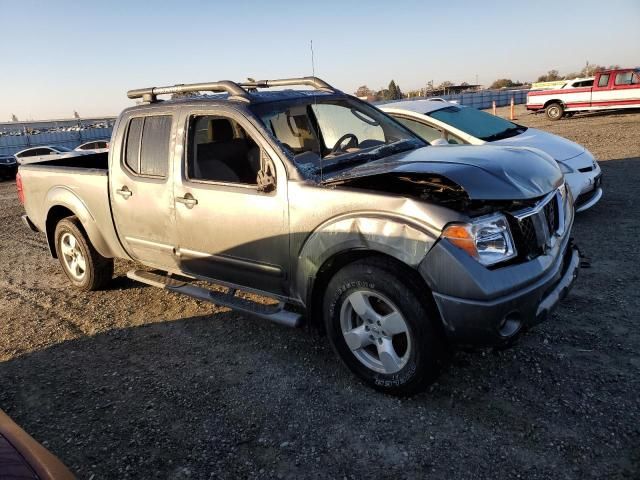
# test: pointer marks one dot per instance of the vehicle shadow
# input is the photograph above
(164, 389)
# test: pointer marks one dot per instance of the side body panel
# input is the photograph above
(144, 217)
(234, 233)
(343, 220)
(82, 191)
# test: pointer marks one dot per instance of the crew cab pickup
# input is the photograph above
(612, 89)
(322, 203)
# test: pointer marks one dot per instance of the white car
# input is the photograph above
(94, 146)
(44, 152)
(442, 123)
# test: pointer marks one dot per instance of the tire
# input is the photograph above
(380, 290)
(83, 265)
(554, 111)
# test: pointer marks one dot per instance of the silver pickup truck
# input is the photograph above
(327, 206)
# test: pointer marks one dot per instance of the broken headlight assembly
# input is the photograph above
(487, 239)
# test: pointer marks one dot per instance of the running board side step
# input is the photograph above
(276, 313)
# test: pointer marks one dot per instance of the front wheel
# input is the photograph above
(84, 266)
(554, 111)
(381, 325)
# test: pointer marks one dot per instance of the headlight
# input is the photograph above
(487, 239)
(564, 168)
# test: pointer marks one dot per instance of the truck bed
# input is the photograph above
(79, 184)
(99, 161)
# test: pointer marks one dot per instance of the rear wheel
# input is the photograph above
(83, 265)
(554, 111)
(380, 324)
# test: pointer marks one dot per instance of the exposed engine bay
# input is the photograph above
(433, 188)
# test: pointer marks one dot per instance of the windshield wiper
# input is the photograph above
(509, 132)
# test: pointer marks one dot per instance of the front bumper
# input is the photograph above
(492, 307)
(584, 180)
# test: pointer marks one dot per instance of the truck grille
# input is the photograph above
(534, 228)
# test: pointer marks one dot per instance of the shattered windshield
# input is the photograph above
(480, 124)
(331, 134)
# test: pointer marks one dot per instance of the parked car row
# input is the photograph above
(22, 130)
(9, 164)
(349, 219)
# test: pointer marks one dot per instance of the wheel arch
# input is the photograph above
(62, 204)
(554, 100)
(349, 236)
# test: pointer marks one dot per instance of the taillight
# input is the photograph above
(20, 188)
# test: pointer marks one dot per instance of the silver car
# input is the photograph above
(441, 122)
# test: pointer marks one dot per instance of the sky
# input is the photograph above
(59, 56)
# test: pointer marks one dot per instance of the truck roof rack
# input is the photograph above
(236, 91)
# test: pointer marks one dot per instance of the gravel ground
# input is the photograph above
(134, 382)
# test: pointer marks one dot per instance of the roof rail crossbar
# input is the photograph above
(314, 82)
(234, 90)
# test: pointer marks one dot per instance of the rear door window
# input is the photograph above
(132, 149)
(626, 78)
(154, 152)
(147, 145)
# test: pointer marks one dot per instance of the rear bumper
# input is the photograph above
(493, 309)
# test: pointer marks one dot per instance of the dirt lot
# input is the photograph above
(134, 382)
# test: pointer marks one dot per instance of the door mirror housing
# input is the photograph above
(266, 177)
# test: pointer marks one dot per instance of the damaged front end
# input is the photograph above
(431, 188)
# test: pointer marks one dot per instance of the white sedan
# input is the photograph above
(45, 152)
(441, 123)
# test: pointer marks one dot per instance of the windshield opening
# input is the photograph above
(329, 134)
(480, 124)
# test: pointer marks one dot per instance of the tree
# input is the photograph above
(551, 76)
(393, 91)
(364, 92)
(503, 83)
(76, 114)
(591, 70)
(14, 118)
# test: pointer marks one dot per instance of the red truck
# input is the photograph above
(612, 89)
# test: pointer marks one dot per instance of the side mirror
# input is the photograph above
(439, 142)
(266, 178)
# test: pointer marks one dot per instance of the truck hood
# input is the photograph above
(485, 172)
(559, 148)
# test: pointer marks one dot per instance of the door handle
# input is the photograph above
(124, 192)
(188, 200)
